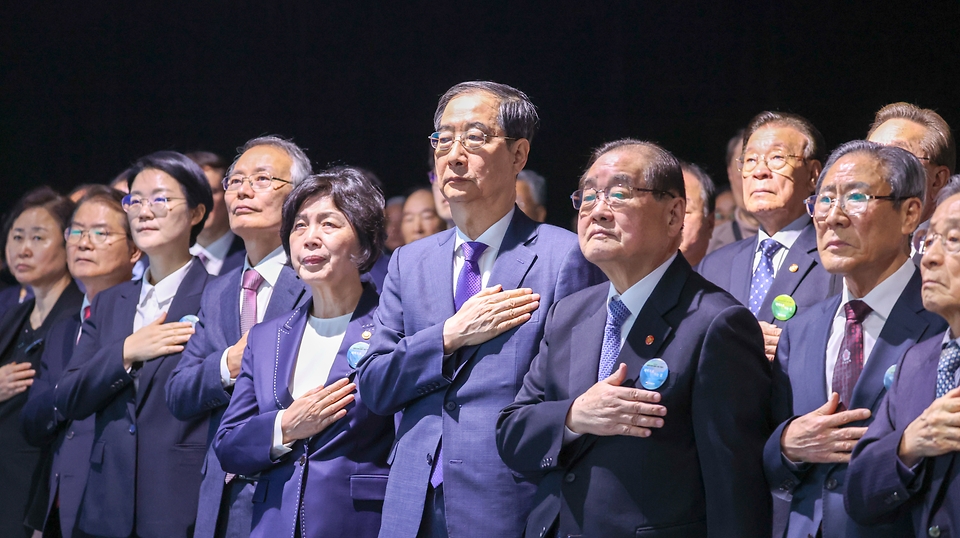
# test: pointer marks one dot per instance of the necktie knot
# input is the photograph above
(472, 250)
(856, 311)
(617, 312)
(251, 279)
(947, 368)
(769, 247)
(86, 312)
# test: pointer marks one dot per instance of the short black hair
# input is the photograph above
(517, 116)
(193, 182)
(60, 208)
(354, 195)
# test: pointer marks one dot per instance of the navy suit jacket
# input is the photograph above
(880, 488)
(194, 389)
(698, 475)
(815, 491)
(235, 256)
(145, 464)
(404, 370)
(43, 425)
(333, 482)
(731, 268)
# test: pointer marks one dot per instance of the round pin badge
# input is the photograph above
(888, 376)
(191, 319)
(784, 307)
(366, 335)
(653, 374)
(356, 352)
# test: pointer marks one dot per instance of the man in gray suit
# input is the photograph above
(256, 186)
(461, 317)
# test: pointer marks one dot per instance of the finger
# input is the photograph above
(167, 350)
(24, 374)
(507, 302)
(510, 323)
(176, 327)
(514, 293)
(485, 292)
(953, 393)
(331, 388)
(618, 376)
(830, 407)
(645, 421)
(519, 310)
(851, 434)
(640, 395)
(337, 395)
(20, 366)
(337, 405)
(640, 408)
(633, 431)
(160, 320)
(846, 417)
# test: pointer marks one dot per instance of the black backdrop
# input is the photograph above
(87, 87)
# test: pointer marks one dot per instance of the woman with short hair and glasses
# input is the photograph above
(37, 258)
(144, 475)
(295, 417)
(100, 254)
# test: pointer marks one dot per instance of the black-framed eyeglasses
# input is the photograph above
(950, 243)
(774, 161)
(97, 236)
(471, 140)
(159, 205)
(851, 203)
(614, 195)
(258, 182)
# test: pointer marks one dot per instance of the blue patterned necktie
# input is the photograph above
(763, 276)
(617, 313)
(947, 369)
(469, 282)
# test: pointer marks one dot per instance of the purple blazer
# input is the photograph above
(879, 487)
(331, 485)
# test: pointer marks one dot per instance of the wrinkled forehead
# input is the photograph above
(947, 215)
(856, 171)
(623, 166)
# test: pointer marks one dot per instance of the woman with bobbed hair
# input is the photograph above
(144, 475)
(295, 417)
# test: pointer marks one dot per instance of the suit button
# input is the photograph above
(450, 406)
(570, 477)
(543, 532)
(831, 484)
(933, 531)
(70, 434)
(132, 429)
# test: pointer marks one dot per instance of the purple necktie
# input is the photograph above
(248, 313)
(204, 260)
(469, 283)
(850, 360)
(617, 313)
(763, 276)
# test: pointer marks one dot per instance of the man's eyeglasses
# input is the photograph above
(159, 205)
(97, 236)
(614, 195)
(950, 242)
(472, 140)
(258, 182)
(852, 204)
(775, 162)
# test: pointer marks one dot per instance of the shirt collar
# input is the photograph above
(788, 235)
(270, 266)
(492, 237)
(218, 249)
(166, 288)
(84, 305)
(635, 297)
(885, 295)
(948, 337)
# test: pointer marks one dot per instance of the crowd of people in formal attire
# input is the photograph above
(209, 349)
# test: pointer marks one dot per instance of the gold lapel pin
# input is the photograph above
(649, 339)
(794, 268)
(366, 335)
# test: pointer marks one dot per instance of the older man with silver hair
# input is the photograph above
(835, 359)
(256, 185)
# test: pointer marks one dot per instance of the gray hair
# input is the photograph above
(517, 117)
(708, 190)
(538, 185)
(902, 170)
(951, 188)
(937, 143)
(816, 148)
(299, 170)
(661, 173)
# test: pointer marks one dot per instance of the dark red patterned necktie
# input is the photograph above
(850, 360)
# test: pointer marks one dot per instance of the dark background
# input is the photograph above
(87, 87)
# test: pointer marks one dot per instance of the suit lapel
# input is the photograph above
(741, 271)
(810, 365)
(586, 346)
(230, 306)
(289, 336)
(902, 329)
(286, 294)
(804, 255)
(362, 320)
(186, 301)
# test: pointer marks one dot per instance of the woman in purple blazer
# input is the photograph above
(295, 418)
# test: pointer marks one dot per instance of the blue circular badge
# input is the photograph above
(191, 319)
(888, 376)
(653, 374)
(356, 352)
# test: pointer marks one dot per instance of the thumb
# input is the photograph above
(953, 393)
(618, 376)
(160, 320)
(830, 407)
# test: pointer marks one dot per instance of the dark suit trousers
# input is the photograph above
(236, 509)
(433, 524)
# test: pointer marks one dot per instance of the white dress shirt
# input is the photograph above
(786, 237)
(215, 252)
(881, 300)
(269, 268)
(319, 346)
(493, 238)
(155, 300)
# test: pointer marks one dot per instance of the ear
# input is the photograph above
(940, 179)
(710, 224)
(910, 211)
(135, 253)
(197, 213)
(815, 168)
(520, 151)
(676, 210)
